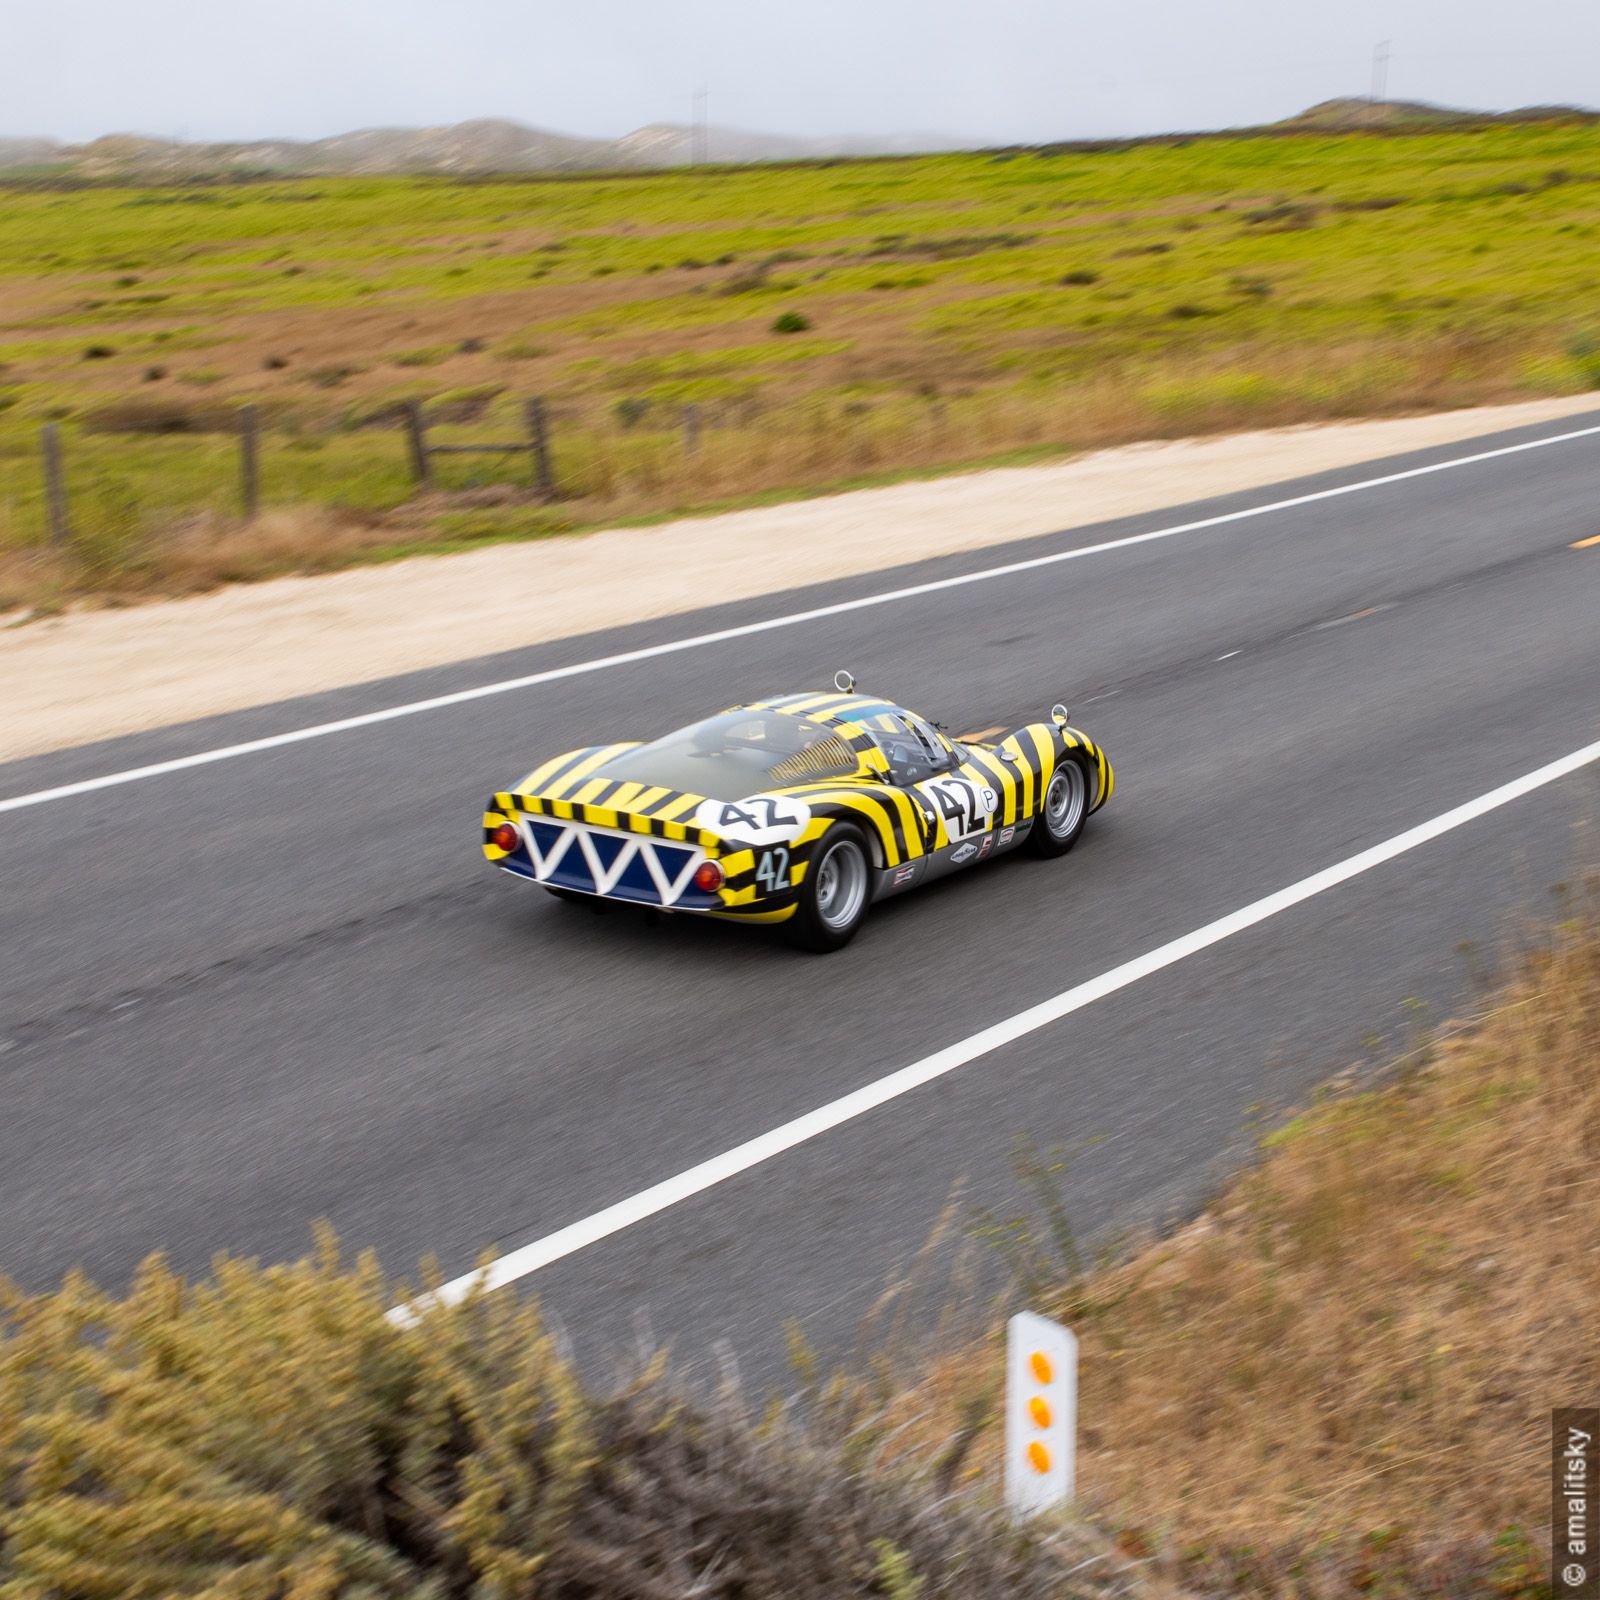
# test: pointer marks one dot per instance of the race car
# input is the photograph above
(803, 810)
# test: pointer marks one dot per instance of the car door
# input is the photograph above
(959, 805)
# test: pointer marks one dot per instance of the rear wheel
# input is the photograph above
(835, 892)
(1065, 809)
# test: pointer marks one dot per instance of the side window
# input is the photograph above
(914, 751)
(940, 756)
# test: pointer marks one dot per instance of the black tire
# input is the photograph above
(1064, 807)
(836, 892)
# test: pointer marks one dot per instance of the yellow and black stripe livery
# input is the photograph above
(592, 824)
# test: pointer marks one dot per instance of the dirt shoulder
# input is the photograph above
(96, 674)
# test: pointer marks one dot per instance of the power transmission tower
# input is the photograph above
(1380, 73)
(701, 148)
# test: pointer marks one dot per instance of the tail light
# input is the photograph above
(708, 877)
(505, 837)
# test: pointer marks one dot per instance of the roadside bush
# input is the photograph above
(428, 357)
(150, 414)
(792, 322)
(464, 405)
(331, 377)
(1286, 216)
(269, 1432)
(1583, 350)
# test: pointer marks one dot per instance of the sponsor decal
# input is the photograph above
(986, 846)
(965, 853)
(762, 819)
(1007, 835)
(902, 876)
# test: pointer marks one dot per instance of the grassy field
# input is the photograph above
(826, 322)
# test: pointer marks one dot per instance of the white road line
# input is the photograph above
(322, 730)
(673, 1191)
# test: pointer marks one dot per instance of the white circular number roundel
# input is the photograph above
(762, 819)
(965, 806)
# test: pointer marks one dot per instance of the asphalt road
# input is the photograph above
(245, 995)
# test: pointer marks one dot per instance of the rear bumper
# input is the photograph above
(610, 863)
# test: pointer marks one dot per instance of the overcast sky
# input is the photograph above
(982, 70)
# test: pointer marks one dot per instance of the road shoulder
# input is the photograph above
(97, 674)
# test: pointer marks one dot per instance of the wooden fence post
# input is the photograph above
(417, 444)
(544, 478)
(249, 462)
(55, 483)
(691, 429)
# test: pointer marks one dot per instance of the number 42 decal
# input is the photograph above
(772, 870)
(965, 806)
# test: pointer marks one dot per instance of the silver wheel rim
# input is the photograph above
(1064, 800)
(841, 885)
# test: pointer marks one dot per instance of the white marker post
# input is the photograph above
(1041, 1414)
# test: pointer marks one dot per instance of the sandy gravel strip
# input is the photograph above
(93, 675)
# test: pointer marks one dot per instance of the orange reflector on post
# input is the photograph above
(1040, 1414)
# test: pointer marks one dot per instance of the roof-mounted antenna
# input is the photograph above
(843, 682)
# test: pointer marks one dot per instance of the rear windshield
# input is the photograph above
(736, 754)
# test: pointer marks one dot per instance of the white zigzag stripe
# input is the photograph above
(670, 888)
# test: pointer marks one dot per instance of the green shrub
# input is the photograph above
(272, 1428)
(148, 414)
(271, 1433)
(1583, 350)
(331, 377)
(464, 405)
(792, 322)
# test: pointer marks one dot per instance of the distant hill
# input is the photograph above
(1352, 111)
(19, 153)
(493, 145)
(484, 146)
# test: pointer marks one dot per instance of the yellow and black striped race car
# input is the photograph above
(802, 809)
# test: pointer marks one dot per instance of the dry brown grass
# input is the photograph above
(123, 549)
(1339, 1379)
(199, 552)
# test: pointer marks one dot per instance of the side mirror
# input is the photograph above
(1060, 715)
(844, 683)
